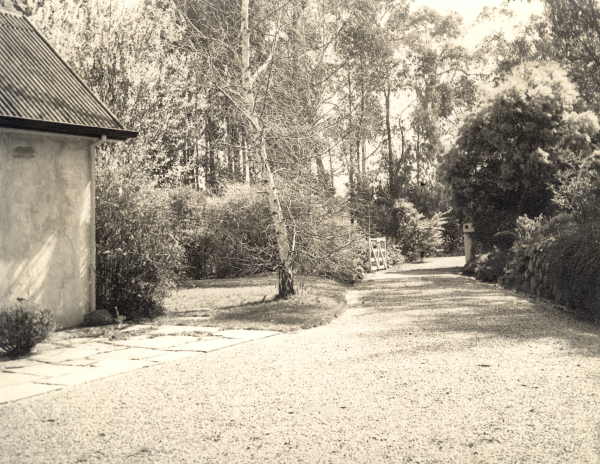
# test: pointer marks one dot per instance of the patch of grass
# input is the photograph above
(249, 303)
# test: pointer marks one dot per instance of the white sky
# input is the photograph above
(469, 9)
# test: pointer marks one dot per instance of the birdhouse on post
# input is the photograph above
(468, 231)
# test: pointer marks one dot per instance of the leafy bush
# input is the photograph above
(229, 235)
(579, 191)
(452, 236)
(558, 259)
(416, 234)
(232, 235)
(394, 255)
(333, 249)
(489, 267)
(137, 250)
(504, 240)
(22, 326)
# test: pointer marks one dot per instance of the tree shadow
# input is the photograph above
(427, 272)
(469, 312)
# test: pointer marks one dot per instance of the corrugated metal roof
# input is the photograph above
(39, 91)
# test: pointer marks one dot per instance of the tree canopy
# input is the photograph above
(509, 152)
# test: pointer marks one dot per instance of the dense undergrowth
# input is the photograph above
(151, 238)
(557, 259)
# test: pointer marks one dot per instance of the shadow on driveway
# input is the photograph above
(439, 301)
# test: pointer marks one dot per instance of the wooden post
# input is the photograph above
(468, 230)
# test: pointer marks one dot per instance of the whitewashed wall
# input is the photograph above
(46, 235)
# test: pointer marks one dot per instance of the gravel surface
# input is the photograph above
(426, 367)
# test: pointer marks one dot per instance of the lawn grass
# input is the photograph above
(249, 303)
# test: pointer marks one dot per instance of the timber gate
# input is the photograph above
(377, 254)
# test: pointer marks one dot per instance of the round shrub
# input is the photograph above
(504, 240)
(415, 234)
(22, 326)
(490, 266)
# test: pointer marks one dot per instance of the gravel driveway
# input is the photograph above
(426, 367)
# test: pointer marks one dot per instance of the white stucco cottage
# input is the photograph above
(50, 123)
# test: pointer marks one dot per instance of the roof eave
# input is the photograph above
(63, 128)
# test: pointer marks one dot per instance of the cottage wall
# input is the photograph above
(46, 238)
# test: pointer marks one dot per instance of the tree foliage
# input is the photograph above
(509, 153)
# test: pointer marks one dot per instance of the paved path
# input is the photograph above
(61, 363)
(427, 367)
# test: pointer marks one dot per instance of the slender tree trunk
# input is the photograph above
(246, 84)
(331, 172)
(350, 150)
(246, 161)
(286, 277)
(229, 149)
(321, 173)
(360, 136)
(363, 153)
(392, 180)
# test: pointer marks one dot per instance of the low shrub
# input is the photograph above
(333, 249)
(452, 238)
(504, 240)
(232, 235)
(417, 235)
(138, 253)
(579, 190)
(489, 267)
(559, 260)
(394, 255)
(22, 326)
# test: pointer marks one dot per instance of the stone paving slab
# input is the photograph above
(48, 370)
(73, 353)
(13, 364)
(85, 340)
(9, 379)
(83, 362)
(157, 342)
(127, 354)
(12, 393)
(211, 344)
(172, 356)
(99, 370)
(243, 334)
(183, 330)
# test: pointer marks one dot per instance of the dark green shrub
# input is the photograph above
(452, 238)
(579, 191)
(137, 249)
(333, 249)
(490, 266)
(567, 270)
(22, 326)
(558, 259)
(394, 255)
(232, 235)
(415, 234)
(504, 240)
